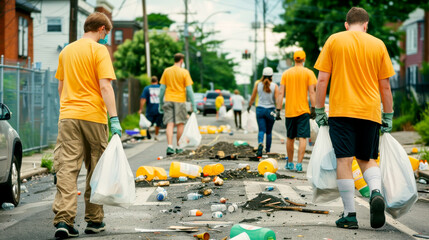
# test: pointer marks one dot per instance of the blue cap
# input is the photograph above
(160, 196)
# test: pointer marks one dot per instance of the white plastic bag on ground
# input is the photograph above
(397, 177)
(112, 182)
(321, 171)
(230, 114)
(144, 123)
(314, 130)
(191, 136)
(222, 112)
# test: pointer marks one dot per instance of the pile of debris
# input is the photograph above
(240, 174)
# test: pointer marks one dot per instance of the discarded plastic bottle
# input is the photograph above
(162, 183)
(217, 214)
(161, 196)
(194, 196)
(206, 180)
(183, 179)
(204, 236)
(240, 143)
(207, 192)
(268, 176)
(232, 208)
(8, 206)
(147, 172)
(195, 212)
(268, 165)
(360, 183)
(243, 166)
(213, 169)
(253, 232)
(241, 236)
(178, 169)
(269, 188)
(218, 208)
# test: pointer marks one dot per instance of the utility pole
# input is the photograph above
(265, 34)
(146, 41)
(73, 20)
(186, 34)
(255, 60)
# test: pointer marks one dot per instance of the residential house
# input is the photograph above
(414, 55)
(123, 30)
(16, 31)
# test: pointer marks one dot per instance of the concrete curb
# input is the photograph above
(33, 172)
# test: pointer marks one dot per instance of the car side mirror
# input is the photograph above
(5, 113)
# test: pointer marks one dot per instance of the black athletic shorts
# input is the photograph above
(155, 119)
(298, 126)
(353, 137)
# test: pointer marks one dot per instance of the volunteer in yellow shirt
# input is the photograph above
(359, 67)
(219, 102)
(298, 83)
(176, 85)
(84, 72)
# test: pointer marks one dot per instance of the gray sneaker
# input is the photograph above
(93, 227)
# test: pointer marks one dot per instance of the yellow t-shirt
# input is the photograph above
(176, 80)
(356, 61)
(297, 80)
(219, 101)
(81, 65)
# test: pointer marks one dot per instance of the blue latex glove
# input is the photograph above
(386, 122)
(115, 126)
(321, 117)
(161, 98)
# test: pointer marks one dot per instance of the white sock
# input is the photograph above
(372, 177)
(347, 192)
(170, 146)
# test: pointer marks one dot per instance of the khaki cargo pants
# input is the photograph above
(78, 141)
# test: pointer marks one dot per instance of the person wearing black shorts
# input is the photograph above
(150, 96)
(358, 67)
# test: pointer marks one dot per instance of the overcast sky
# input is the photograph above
(234, 28)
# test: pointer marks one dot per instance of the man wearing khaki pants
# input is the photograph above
(84, 73)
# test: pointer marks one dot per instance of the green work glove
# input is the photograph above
(278, 114)
(321, 117)
(312, 112)
(386, 122)
(160, 109)
(115, 126)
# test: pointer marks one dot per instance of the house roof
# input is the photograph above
(26, 6)
(415, 16)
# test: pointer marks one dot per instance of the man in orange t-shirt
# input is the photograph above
(176, 86)
(359, 67)
(298, 83)
(85, 72)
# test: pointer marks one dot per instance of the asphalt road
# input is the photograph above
(32, 219)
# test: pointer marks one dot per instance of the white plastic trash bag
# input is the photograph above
(112, 182)
(314, 130)
(222, 112)
(321, 171)
(249, 122)
(144, 123)
(230, 114)
(191, 136)
(397, 177)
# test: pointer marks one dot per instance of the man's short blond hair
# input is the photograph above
(96, 20)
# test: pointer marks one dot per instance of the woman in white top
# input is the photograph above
(265, 112)
(237, 107)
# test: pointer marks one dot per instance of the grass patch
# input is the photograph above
(47, 161)
(130, 122)
(402, 123)
(424, 154)
(422, 127)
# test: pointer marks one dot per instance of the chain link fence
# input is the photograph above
(32, 96)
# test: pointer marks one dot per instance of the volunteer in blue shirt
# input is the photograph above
(150, 96)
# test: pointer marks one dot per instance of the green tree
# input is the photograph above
(130, 56)
(157, 21)
(309, 23)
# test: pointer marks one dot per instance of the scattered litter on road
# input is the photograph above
(7, 206)
(208, 223)
(250, 220)
(217, 215)
(164, 230)
(204, 236)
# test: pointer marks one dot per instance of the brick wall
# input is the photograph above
(127, 33)
(8, 30)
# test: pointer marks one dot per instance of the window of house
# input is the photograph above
(412, 72)
(411, 39)
(22, 37)
(54, 25)
(422, 31)
(119, 37)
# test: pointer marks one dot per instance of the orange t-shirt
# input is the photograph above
(356, 61)
(176, 80)
(81, 65)
(296, 81)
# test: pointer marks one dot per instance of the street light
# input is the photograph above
(202, 35)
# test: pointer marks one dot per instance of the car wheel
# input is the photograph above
(12, 188)
(204, 113)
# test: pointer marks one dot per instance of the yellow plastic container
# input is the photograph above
(360, 183)
(414, 163)
(203, 129)
(212, 130)
(178, 169)
(160, 173)
(143, 132)
(268, 165)
(146, 171)
(213, 169)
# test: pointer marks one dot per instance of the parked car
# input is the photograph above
(199, 100)
(10, 159)
(209, 101)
